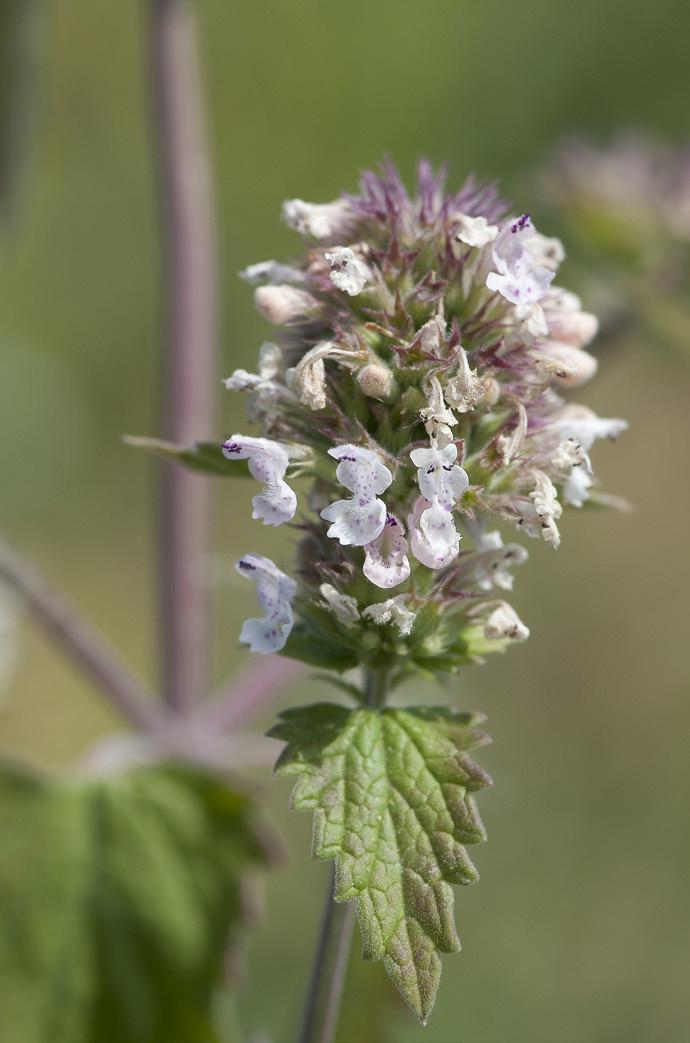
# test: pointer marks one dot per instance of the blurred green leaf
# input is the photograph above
(391, 796)
(202, 456)
(119, 897)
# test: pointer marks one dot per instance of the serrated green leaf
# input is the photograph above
(391, 795)
(206, 457)
(118, 898)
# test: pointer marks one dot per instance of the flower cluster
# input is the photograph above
(418, 382)
(625, 209)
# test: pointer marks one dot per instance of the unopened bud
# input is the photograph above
(281, 304)
(577, 366)
(375, 380)
(492, 391)
(573, 327)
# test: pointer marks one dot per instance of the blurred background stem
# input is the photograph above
(80, 640)
(188, 364)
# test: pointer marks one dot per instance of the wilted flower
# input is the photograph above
(423, 353)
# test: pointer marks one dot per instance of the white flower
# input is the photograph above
(576, 488)
(268, 462)
(438, 419)
(392, 611)
(569, 454)
(546, 251)
(503, 623)
(493, 562)
(270, 366)
(439, 476)
(519, 277)
(359, 520)
(474, 231)
(540, 515)
(386, 563)
(271, 272)
(282, 303)
(343, 607)
(584, 426)
(348, 272)
(434, 540)
(274, 592)
(318, 220)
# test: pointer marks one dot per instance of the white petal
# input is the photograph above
(392, 611)
(474, 231)
(438, 474)
(343, 607)
(576, 488)
(268, 462)
(355, 523)
(318, 220)
(267, 635)
(271, 272)
(434, 539)
(274, 592)
(386, 563)
(348, 272)
(504, 623)
(494, 561)
(360, 470)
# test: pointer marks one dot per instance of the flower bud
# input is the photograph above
(578, 366)
(281, 304)
(375, 380)
(573, 327)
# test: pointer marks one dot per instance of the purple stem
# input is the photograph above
(80, 640)
(237, 703)
(187, 229)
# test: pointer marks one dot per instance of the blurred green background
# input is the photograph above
(578, 931)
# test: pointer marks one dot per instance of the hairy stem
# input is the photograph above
(80, 640)
(187, 229)
(327, 981)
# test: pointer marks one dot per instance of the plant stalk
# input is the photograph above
(190, 288)
(327, 982)
(80, 640)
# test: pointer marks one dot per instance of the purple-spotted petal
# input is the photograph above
(355, 522)
(268, 462)
(386, 563)
(438, 475)
(274, 592)
(434, 540)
